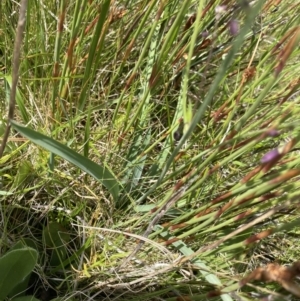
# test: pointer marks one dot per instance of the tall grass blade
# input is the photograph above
(94, 54)
(100, 173)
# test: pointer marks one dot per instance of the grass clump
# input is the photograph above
(153, 151)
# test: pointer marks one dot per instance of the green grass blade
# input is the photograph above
(100, 173)
(93, 54)
(204, 269)
(19, 100)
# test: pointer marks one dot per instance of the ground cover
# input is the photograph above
(153, 150)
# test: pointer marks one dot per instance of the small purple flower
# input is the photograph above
(234, 27)
(270, 156)
(205, 34)
(273, 133)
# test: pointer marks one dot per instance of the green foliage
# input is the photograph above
(15, 268)
(19, 99)
(100, 173)
(56, 238)
(182, 130)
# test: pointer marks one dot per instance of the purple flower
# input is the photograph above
(270, 156)
(234, 27)
(205, 34)
(273, 133)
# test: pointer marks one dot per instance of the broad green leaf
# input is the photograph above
(56, 237)
(100, 173)
(14, 267)
(25, 170)
(21, 287)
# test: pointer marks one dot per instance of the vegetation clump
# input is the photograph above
(149, 150)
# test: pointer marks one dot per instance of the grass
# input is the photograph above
(153, 153)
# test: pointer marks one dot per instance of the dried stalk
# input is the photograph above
(15, 71)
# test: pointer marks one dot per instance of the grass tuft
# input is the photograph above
(150, 149)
